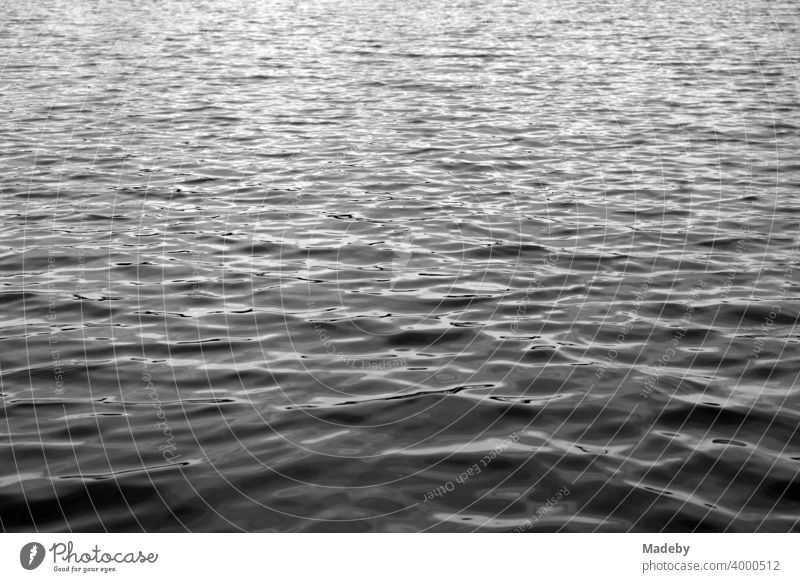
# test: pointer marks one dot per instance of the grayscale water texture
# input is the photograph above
(399, 266)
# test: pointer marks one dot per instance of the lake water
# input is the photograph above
(399, 266)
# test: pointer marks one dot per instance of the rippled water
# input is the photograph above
(399, 266)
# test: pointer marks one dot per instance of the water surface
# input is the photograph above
(399, 266)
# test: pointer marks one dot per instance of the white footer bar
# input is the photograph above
(399, 557)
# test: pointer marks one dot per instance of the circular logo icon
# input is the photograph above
(31, 555)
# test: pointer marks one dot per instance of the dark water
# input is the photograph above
(399, 266)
